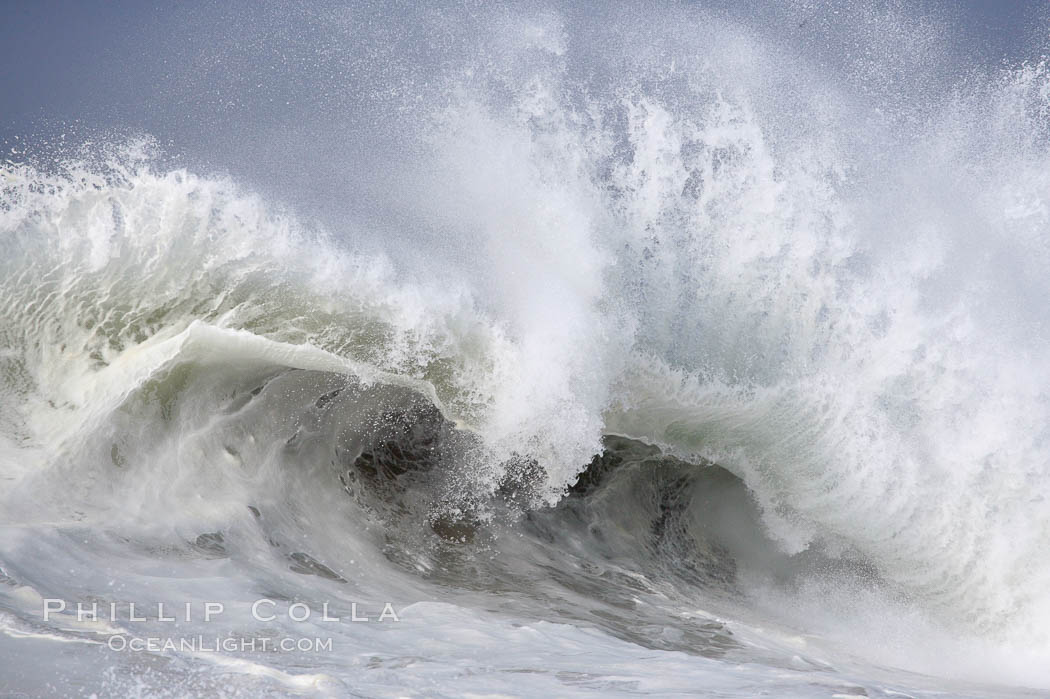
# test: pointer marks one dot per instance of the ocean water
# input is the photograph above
(593, 351)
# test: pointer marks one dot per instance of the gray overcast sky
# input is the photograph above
(256, 87)
(107, 62)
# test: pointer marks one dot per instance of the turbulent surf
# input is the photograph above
(579, 352)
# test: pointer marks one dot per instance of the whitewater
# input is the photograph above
(576, 351)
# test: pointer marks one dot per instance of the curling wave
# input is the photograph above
(655, 360)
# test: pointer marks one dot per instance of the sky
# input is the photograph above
(106, 61)
(199, 77)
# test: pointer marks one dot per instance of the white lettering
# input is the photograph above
(388, 613)
(212, 608)
(49, 607)
(305, 612)
(255, 609)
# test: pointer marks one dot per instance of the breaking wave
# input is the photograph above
(670, 355)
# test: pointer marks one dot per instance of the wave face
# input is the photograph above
(645, 356)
